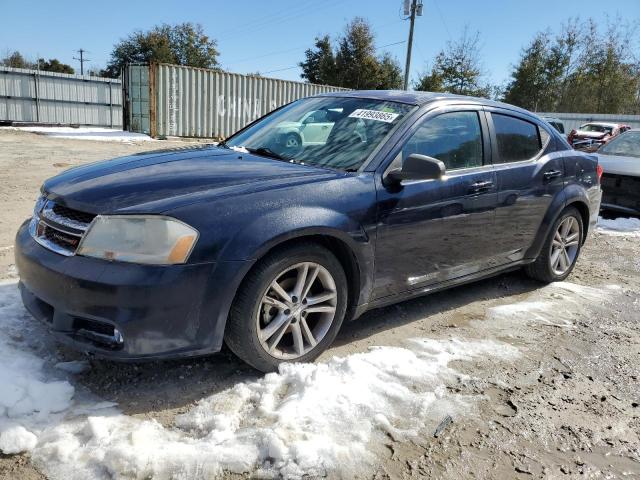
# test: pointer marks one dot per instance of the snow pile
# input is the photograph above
(28, 396)
(87, 133)
(619, 226)
(308, 419)
(330, 418)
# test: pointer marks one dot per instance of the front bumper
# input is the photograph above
(126, 311)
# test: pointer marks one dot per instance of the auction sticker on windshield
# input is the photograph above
(386, 117)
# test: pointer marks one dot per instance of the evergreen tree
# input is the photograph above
(182, 44)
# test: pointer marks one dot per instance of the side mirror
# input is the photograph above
(418, 167)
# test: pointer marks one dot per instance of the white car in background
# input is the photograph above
(312, 129)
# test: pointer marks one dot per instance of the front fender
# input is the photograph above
(276, 227)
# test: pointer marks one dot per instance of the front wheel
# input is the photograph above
(289, 308)
(561, 249)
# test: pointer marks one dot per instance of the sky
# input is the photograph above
(270, 36)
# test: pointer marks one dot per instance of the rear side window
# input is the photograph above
(517, 139)
(454, 138)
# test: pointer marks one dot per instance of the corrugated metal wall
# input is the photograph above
(574, 120)
(195, 102)
(58, 98)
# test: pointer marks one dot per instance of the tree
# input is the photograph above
(54, 65)
(320, 64)
(352, 63)
(390, 73)
(578, 70)
(16, 60)
(457, 69)
(182, 44)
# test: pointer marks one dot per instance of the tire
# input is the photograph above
(548, 268)
(292, 140)
(258, 306)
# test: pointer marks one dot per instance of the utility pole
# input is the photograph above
(81, 60)
(413, 10)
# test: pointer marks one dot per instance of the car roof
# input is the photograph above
(419, 98)
(604, 124)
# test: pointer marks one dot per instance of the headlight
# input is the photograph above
(149, 239)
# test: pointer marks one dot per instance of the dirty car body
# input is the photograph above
(508, 177)
(620, 161)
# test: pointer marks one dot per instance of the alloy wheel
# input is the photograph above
(296, 311)
(564, 247)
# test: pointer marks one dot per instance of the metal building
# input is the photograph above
(32, 96)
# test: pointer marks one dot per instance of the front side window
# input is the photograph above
(332, 132)
(455, 138)
(518, 139)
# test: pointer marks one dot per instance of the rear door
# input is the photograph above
(432, 231)
(528, 177)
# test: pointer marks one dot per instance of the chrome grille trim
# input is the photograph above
(49, 214)
(44, 217)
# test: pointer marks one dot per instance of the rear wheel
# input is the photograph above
(289, 308)
(561, 249)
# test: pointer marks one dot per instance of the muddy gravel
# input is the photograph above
(568, 408)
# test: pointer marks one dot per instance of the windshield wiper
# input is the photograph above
(222, 145)
(267, 152)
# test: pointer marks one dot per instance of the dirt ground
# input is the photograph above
(568, 408)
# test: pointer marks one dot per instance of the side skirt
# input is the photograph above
(474, 277)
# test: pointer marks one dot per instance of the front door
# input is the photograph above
(436, 230)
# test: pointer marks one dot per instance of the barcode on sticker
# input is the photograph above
(386, 117)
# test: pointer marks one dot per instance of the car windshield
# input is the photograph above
(590, 127)
(331, 132)
(627, 144)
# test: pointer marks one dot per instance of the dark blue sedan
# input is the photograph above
(269, 244)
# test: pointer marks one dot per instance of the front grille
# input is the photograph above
(72, 214)
(60, 238)
(93, 326)
(59, 228)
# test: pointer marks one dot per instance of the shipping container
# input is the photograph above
(32, 96)
(176, 101)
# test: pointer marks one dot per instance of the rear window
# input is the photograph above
(517, 139)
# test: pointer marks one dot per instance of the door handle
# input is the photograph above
(478, 187)
(548, 175)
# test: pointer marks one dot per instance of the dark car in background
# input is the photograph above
(556, 123)
(620, 161)
(269, 245)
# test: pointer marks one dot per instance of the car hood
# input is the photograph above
(620, 165)
(160, 181)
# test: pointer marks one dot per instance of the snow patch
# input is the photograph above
(330, 418)
(556, 305)
(619, 226)
(17, 439)
(306, 420)
(87, 133)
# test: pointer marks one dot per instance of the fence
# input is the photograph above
(169, 100)
(574, 120)
(31, 96)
